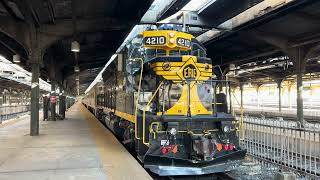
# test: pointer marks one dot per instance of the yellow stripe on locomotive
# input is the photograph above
(187, 69)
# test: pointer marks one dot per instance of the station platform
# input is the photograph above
(76, 148)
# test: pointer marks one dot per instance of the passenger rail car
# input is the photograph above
(160, 97)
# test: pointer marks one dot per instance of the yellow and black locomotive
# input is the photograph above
(160, 97)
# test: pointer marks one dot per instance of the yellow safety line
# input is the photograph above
(117, 162)
(97, 132)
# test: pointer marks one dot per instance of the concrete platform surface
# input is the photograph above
(78, 148)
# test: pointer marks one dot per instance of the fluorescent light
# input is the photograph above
(16, 58)
(75, 46)
(76, 69)
(157, 8)
(193, 5)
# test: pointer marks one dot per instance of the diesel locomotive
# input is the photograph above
(161, 98)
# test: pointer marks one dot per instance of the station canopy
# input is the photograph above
(15, 73)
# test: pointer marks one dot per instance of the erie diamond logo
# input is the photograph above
(189, 71)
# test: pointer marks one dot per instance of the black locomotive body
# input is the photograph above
(159, 95)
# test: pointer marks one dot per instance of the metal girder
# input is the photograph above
(16, 30)
(51, 10)
(160, 9)
(64, 27)
(25, 7)
(259, 10)
(12, 10)
(178, 5)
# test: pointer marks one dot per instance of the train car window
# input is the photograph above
(137, 41)
(184, 53)
(174, 53)
(135, 48)
(152, 53)
(136, 53)
(179, 53)
(197, 49)
(160, 52)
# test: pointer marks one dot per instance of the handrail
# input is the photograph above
(144, 114)
(137, 101)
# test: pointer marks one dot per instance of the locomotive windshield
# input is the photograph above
(149, 47)
(198, 49)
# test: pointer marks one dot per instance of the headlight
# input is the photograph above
(166, 66)
(206, 67)
(173, 131)
(171, 34)
(226, 129)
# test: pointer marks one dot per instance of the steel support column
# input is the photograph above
(279, 82)
(34, 123)
(258, 94)
(62, 105)
(53, 103)
(298, 55)
(45, 102)
(229, 93)
(289, 95)
(241, 96)
(300, 116)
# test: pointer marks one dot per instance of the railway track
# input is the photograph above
(217, 176)
(285, 118)
(287, 159)
(240, 173)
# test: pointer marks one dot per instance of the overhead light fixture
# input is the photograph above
(75, 46)
(232, 67)
(16, 58)
(76, 69)
(77, 78)
(318, 61)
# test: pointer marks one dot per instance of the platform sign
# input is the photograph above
(53, 99)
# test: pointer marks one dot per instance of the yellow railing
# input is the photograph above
(241, 124)
(137, 101)
(144, 115)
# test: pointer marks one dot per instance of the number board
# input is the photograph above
(154, 40)
(183, 42)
